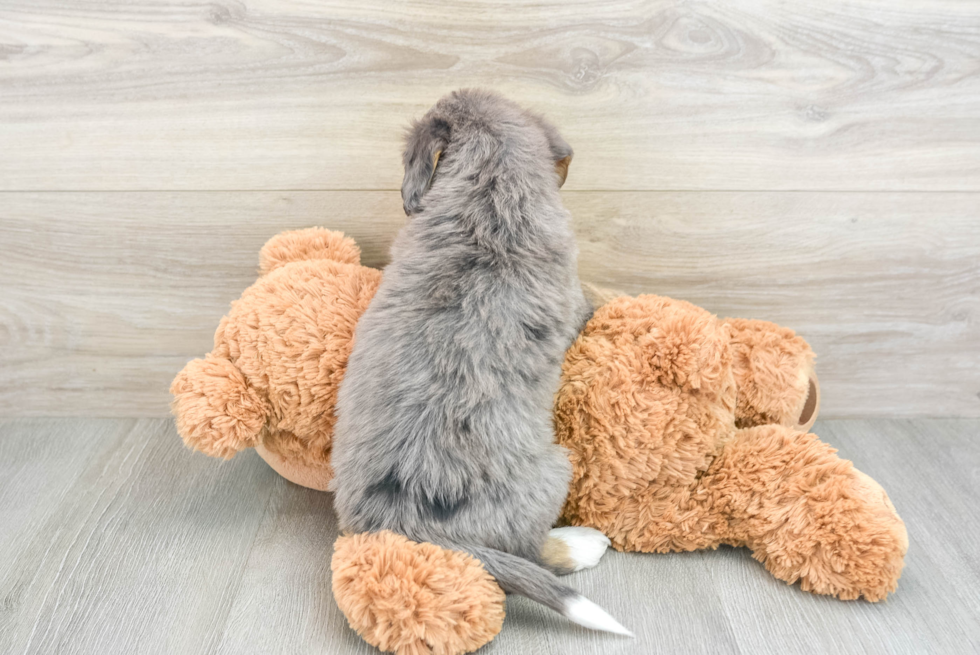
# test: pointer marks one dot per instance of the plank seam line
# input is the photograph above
(866, 191)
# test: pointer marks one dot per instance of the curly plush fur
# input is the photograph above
(647, 408)
(415, 599)
(774, 371)
(272, 380)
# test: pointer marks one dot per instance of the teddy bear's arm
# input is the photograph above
(215, 409)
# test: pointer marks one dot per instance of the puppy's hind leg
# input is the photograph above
(572, 549)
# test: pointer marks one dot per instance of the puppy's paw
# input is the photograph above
(576, 548)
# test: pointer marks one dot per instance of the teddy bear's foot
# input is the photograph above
(573, 548)
(415, 598)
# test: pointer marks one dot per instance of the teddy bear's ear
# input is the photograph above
(774, 371)
(691, 347)
(308, 244)
(426, 140)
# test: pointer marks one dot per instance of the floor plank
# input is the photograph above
(105, 296)
(118, 541)
(135, 545)
(285, 603)
(652, 94)
(931, 612)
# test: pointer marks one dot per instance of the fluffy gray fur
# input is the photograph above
(444, 431)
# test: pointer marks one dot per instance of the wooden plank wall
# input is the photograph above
(816, 165)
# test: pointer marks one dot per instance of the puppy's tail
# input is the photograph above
(516, 575)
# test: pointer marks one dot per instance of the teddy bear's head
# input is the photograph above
(279, 354)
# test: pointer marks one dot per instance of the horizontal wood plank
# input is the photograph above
(653, 95)
(105, 296)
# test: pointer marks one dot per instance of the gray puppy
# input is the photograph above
(444, 430)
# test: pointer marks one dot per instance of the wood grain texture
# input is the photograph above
(105, 296)
(117, 540)
(289, 569)
(653, 95)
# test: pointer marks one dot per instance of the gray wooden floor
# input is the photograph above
(114, 539)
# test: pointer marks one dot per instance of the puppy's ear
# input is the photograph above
(561, 167)
(561, 152)
(426, 140)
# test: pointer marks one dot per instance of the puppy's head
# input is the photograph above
(472, 131)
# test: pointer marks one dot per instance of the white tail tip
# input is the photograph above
(583, 611)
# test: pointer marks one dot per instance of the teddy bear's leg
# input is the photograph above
(414, 598)
(302, 245)
(807, 514)
(216, 411)
(774, 371)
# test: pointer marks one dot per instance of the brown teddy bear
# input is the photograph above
(684, 432)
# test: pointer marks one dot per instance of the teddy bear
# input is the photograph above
(684, 432)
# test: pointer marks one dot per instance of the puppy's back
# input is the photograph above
(444, 416)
